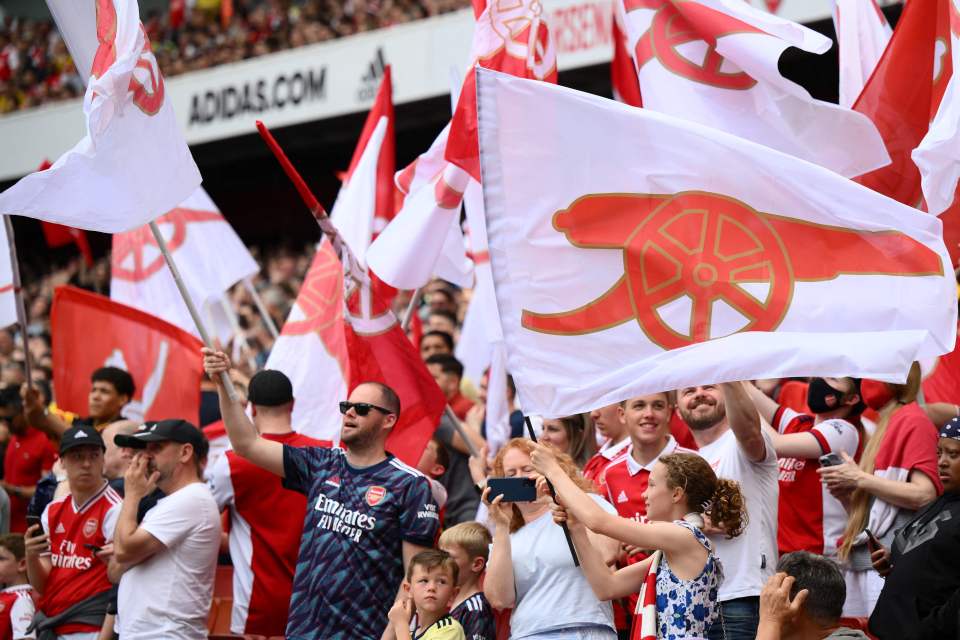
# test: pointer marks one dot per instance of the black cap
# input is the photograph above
(270, 388)
(162, 431)
(82, 436)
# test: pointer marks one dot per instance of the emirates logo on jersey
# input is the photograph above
(90, 527)
(375, 495)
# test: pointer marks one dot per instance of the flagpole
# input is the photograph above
(192, 308)
(553, 492)
(342, 249)
(238, 334)
(18, 297)
(262, 308)
(411, 307)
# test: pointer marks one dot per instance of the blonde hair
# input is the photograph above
(859, 510)
(526, 446)
(472, 537)
(719, 498)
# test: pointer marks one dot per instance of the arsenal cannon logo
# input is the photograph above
(700, 249)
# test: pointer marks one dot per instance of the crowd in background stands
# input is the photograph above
(36, 67)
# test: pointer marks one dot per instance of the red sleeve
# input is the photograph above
(49, 457)
(681, 432)
(917, 438)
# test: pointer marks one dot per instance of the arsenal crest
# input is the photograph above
(90, 527)
(375, 495)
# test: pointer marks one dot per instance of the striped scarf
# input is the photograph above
(645, 615)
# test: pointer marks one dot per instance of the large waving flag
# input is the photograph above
(366, 202)
(425, 238)
(8, 297)
(630, 255)
(133, 165)
(862, 36)
(714, 62)
(162, 359)
(209, 253)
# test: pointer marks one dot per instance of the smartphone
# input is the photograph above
(830, 460)
(32, 520)
(512, 489)
(92, 547)
(872, 542)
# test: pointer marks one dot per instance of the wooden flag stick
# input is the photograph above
(18, 296)
(553, 492)
(192, 308)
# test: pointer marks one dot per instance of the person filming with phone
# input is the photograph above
(530, 567)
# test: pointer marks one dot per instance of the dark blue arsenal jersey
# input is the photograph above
(476, 617)
(351, 552)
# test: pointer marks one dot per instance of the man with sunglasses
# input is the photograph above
(367, 512)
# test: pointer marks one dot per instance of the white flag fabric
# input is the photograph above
(8, 298)
(630, 256)
(209, 253)
(312, 348)
(424, 239)
(862, 35)
(356, 204)
(938, 156)
(715, 62)
(133, 165)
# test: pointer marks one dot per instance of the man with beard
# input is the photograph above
(168, 561)
(368, 513)
(726, 427)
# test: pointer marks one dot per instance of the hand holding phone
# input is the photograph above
(830, 460)
(512, 489)
(35, 520)
(873, 543)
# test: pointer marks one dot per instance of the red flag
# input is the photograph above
(943, 383)
(91, 331)
(226, 12)
(58, 235)
(178, 9)
(623, 74)
(900, 105)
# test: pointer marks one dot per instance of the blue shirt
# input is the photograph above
(351, 553)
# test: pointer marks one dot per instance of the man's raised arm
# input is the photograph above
(243, 435)
(744, 420)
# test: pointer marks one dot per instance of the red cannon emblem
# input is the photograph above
(676, 24)
(130, 260)
(712, 248)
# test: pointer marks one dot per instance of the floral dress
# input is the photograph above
(687, 608)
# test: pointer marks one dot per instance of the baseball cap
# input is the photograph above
(270, 388)
(162, 431)
(83, 436)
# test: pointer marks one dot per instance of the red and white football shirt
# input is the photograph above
(602, 459)
(17, 606)
(266, 522)
(76, 573)
(810, 518)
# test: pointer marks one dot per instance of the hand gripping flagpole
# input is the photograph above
(18, 297)
(342, 249)
(553, 492)
(192, 308)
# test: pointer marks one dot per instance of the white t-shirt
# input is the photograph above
(551, 592)
(169, 594)
(751, 558)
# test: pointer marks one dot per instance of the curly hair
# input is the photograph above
(526, 446)
(719, 498)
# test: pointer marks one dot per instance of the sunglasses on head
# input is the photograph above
(362, 408)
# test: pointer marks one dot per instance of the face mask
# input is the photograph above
(875, 394)
(821, 397)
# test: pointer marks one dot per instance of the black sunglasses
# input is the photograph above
(362, 408)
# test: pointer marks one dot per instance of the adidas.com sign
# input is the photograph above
(370, 81)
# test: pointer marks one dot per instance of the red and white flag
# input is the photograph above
(163, 360)
(58, 235)
(133, 165)
(312, 349)
(623, 75)
(366, 202)
(208, 252)
(425, 239)
(8, 298)
(327, 349)
(630, 255)
(714, 62)
(862, 36)
(938, 155)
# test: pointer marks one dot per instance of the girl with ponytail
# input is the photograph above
(896, 476)
(678, 584)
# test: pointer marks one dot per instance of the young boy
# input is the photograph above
(17, 599)
(429, 589)
(468, 543)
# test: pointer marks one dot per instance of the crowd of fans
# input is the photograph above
(764, 509)
(36, 67)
